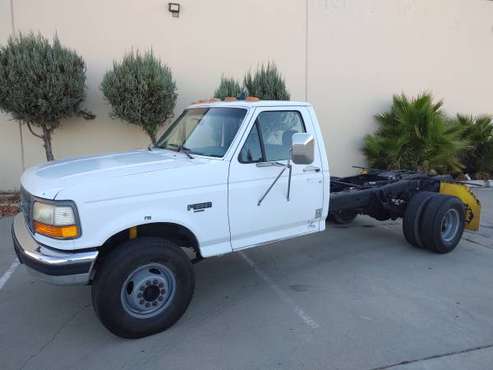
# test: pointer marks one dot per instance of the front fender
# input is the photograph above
(125, 222)
(101, 220)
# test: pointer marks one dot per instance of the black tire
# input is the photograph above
(435, 232)
(115, 270)
(412, 218)
(342, 217)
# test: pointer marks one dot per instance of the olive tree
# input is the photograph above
(228, 87)
(41, 83)
(266, 83)
(141, 91)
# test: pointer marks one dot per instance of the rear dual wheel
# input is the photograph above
(434, 221)
(411, 222)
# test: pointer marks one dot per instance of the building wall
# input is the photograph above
(347, 57)
(362, 52)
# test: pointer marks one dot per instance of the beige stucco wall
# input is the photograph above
(362, 52)
(359, 52)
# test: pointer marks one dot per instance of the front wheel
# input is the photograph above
(142, 287)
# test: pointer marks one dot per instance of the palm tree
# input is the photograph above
(478, 131)
(416, 135)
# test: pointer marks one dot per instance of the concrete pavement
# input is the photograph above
(355, 297)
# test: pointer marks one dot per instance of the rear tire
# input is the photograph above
(442, 223)
(412, 218)
(142, 287)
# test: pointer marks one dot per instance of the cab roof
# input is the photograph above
(250, 104)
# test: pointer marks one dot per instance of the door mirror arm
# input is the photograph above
(270, 164)
(302, 151)
(290, 168)
(287, 166)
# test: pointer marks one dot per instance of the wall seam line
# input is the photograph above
(21, 138)
(12, 19)
(306, 49)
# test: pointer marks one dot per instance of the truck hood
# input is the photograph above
(48, 180)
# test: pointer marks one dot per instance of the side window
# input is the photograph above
(277, 129)
(251, 151)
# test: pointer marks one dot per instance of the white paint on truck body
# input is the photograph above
(117, 191)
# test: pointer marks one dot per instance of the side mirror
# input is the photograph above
(303, 148)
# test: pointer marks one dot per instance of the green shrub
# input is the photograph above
(478, 157)
(41, 83)
(141, 91)
(266, 83)
(415, 135)
(227, 87)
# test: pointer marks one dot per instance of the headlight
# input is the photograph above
(55, 221)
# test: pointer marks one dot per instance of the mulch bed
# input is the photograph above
(9, 204)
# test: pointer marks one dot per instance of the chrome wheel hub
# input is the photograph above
(450, 225)
(148, 290)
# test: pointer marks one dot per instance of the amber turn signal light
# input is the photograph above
(58, 232)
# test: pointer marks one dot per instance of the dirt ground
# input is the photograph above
(9, 204)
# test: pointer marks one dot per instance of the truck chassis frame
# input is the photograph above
(385, 195)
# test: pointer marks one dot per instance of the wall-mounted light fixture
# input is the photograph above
(174, 9)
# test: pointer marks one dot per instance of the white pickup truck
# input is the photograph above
(225, 176)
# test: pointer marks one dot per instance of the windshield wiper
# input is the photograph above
(179, 148)
(185, 150)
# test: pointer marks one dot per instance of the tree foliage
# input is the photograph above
(266, 83)
(41, 83)
(141, 91)
(227, 87)
(415, 134)
(478, 131)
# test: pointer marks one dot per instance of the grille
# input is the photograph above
(26, 207)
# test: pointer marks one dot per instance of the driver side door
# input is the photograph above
(254, 168)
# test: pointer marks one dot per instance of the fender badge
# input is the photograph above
(199, 207)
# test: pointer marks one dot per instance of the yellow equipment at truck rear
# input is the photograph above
(473, 206)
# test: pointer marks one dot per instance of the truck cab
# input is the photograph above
(223, 177)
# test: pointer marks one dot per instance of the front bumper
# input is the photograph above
(49, 264)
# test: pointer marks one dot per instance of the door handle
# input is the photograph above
(311, 169)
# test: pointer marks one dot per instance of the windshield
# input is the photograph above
(203, 131)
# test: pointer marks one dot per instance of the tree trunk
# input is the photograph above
(152, 135)
(47, 143)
